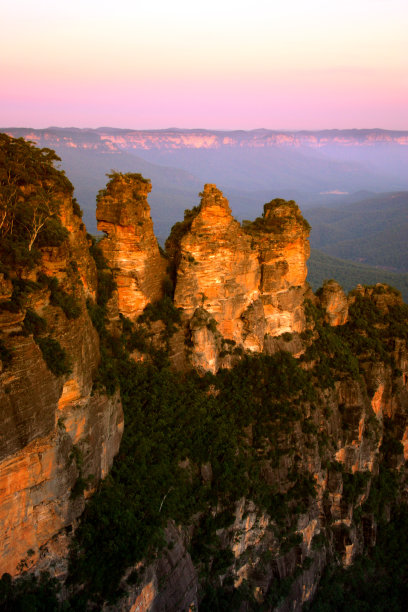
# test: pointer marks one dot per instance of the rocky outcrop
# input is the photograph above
(171, 583)
(246, 284)
(334, 302)
(130, 246)
(57, 437)
(315, 454)
(280, 237)
(383, 296)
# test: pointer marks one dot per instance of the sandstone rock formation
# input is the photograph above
(130, 246)
(334, 303)
(57, 437)
(315, 452)
(250, 280)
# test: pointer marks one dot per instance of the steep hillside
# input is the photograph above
(321, 267)
(372, 231)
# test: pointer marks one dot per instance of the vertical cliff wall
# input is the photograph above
(130, 246)
(57, 437)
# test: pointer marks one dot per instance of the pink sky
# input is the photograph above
(219, 64)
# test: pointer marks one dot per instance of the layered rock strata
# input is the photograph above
(130, 246)
(57, 437)
(239, 284)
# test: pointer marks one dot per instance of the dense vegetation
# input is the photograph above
(377, 581)
(171, 420)
(31, 188)
(193, 443)
(277, 223)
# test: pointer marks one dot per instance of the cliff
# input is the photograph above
(239, 287)
(57, 437)
(109, 139)
(130, 246)
(266, 427)
(284, 460)
(262, 474)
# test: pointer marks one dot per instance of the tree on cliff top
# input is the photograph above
(30, 191)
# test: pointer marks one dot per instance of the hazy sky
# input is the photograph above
(218, 64)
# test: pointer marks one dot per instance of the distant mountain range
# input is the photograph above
(251, 167)
(115, 139)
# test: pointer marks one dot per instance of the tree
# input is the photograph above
(30, 189)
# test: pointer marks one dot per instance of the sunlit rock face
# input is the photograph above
(280, 237)
(249, 279)
(54, 430)
(334, 302)
(130, 246)
(217, 268)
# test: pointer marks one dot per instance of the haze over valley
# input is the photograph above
(314, 168)
(349, 184)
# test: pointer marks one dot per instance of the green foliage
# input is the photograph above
(33, 323)
(64, 300)
(277, 223)
(78, 212)
(370, 333)
(162, 310)
(106, 287)
(333, 356)
(30, 192)
(319, 540)
(384, 490)
(226, 597)
(168, 418)
(96, 252)
(98, 316)
(120, 181)
(21, 290)
(181, 228)
(53, 234)
(354, 485)
(30, 593)
(54, 356)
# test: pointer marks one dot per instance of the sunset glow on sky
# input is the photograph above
(217, 64)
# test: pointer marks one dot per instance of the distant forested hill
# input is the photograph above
(322, 267)
(373, 231)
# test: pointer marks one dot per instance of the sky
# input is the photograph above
(278, 64)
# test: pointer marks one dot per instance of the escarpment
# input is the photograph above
(57, 437)
(266, 428)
